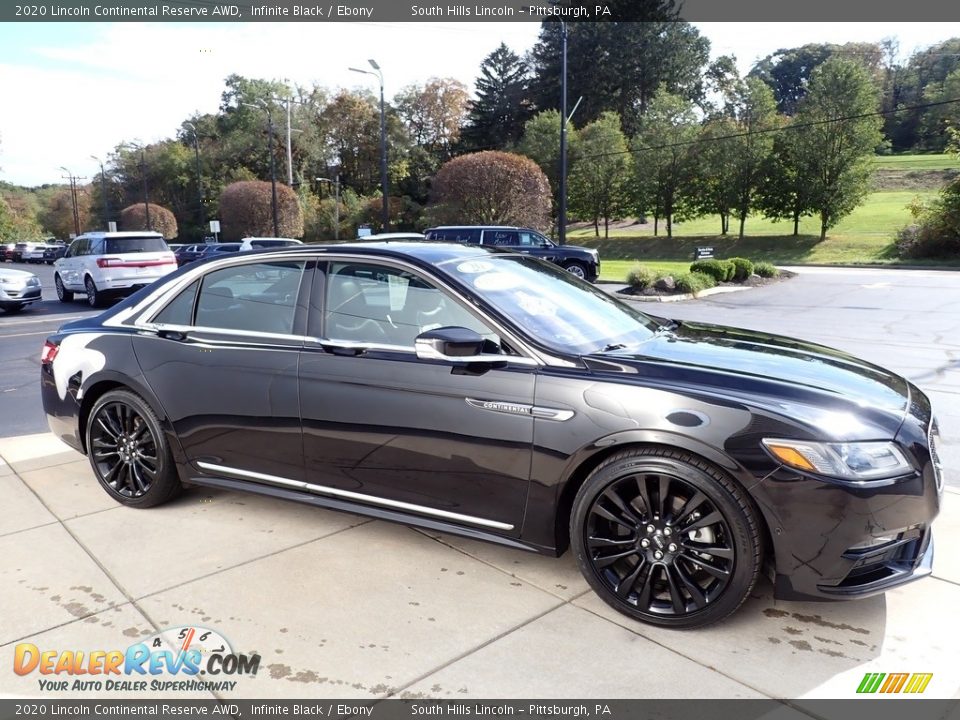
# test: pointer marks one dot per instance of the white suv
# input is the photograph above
(263, 243)
(103, 264)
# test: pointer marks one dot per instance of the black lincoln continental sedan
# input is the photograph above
(473, 391)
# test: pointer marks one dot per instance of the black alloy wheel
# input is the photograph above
(128, 451)
(63, 295)
(665, 538)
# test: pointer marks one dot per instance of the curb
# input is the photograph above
(679, 298)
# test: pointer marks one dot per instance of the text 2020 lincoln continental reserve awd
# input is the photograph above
(493, 395)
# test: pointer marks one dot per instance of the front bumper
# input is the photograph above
(21, 294)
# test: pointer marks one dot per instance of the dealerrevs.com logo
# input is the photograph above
(889, 683)
(184, 658)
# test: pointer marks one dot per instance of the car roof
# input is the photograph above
(124, 234)
(424, 251)
(480, 227)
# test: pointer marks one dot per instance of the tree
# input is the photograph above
(491, 187)
(503, 104)
(57, 217)
(924, 71)
(434, 113)
(162, 220)
(600, 177)
(714, 188)
(937, 119)
(619, 66)
(541, 143)
(838, 136)
(352, 120)
(665, 160)
(246, 210)
(785, 191)
(756, 116)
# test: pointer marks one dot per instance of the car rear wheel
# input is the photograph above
(63, 294)
(665, 538)
(129, 452)
(576, 268)
(94, 296)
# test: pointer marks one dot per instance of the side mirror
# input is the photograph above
(449, 343)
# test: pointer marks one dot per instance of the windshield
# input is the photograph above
(147, 243)
(553, 306)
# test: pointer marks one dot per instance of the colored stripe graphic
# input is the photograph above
(870, 682)
(918, 682)
(892, 683)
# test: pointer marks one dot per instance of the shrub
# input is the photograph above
(936, 232)
(719, 270)
(742, 269)
(640, 277)
(765, 269)
(162, 220)
(694, 281)
(246, 208)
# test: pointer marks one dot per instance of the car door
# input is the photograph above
(223, 362)
(383, 427)
(70, 265)
(537, 245)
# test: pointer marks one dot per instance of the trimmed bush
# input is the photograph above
(742, 268)
(694, 282)
(765, 269)
(640, 277)
(719, 270)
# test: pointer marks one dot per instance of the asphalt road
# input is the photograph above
(907, 320)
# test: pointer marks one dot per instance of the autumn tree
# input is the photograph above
(491, 188)
(246, 209)
(434, 113)
(503, 104)
(162, 220)
(599, 178)
(58, 218)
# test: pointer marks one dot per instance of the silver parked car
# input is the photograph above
(18, 288)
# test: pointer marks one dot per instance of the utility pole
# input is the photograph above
(201, 210)
(383, 142)
(103, 192)
(273, 164)
(73, 198)
(146, 192)
(562, 214)
(336, 207)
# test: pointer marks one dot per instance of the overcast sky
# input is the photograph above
(71, 90)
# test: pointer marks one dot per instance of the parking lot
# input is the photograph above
(342, 606)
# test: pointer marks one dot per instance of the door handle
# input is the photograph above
(171, 334)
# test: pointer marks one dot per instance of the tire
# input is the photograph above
(63, 294)
(128, 451)
(655, 566)
(94, 296)
(576, 268)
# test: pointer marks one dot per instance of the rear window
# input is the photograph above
(134, 245)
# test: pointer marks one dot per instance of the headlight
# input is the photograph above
(849, 461)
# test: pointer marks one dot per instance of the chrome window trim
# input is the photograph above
(355, 496)
(150, 307)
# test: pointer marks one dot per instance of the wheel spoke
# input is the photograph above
(714, 550)
(611, 495)
(694, 590)
(689, 506)
(607, 560)
(103, 422)
(706, 520)
(676, 596)
(598, 509)
(135, 474)
(645, 495)
(663, 495)
(643, 597)
(626, 584)
(112, 475)
(151, 471)
(709, 568)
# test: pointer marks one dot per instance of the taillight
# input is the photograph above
(106, 262)
(49, 352)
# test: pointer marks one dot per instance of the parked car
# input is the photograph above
(54, 252)
(582, 262)
(106, 264)
(219, 248)
(34, 255)
(265, 243)
(20, 249)
(381, 237)
(6, 251)
(478, 392)
(18, 288)
(189, 253)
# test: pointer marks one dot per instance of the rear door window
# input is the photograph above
(504, 238)
(258, 297)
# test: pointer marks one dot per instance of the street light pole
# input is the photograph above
(562, 214)
(273, 165)
(336, 207)
(201, 211)
(103, 192)
(383, 142)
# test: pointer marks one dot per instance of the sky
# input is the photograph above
(73, 90)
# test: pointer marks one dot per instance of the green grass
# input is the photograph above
(941, 161)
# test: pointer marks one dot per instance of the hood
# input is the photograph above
(16, 274)
(791, 371)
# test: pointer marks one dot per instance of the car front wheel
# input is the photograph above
(665, 538)
(129, 452)
(63, 295)
(576, 268)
